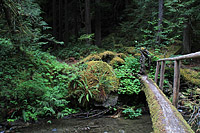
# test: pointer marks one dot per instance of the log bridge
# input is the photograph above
(165, 117)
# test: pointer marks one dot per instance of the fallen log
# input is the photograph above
(165, 117)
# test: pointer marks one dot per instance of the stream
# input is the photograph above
(99, 125)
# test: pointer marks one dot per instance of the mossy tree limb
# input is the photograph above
(165, 117)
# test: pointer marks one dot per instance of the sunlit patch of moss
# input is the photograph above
(191, 76)
(91, 57)
(116, 60)
(100, 76)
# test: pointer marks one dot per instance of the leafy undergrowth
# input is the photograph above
(33, 84)
(127, 73)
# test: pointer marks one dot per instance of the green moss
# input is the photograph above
(91, 57)
(107, 56)
(156, 111)
(99, 75)
(116, 60)
(191, 76)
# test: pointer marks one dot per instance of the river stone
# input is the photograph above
(54, 130)
(110, 101)
(121, 131)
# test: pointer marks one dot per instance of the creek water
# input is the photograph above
(99, 125)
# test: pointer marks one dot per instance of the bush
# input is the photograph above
(97, 81)
(127, 73)
(132, 113)
(34, 84)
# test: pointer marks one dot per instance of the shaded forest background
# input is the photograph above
(137, 21)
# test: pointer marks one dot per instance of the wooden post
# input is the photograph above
(162, 72)
(157, 71)
(176, 84)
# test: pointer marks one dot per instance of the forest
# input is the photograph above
(83, 58)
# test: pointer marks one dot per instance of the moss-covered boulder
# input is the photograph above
(117, 61)
(107, 56)
(92, 57)
(100, 77)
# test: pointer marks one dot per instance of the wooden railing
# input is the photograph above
(177, 65)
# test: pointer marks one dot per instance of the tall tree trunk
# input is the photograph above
(186, 39)
(60, 19)
(76, 25)
(160, 19)
(98, 24)
(87, 18)
(126, 3)
(6, 10)
(54, 18)
(66, 37)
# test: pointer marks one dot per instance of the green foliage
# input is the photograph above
(84, 92)
(132, 113)
(86, 36)
(136, 16)
(77, 51)
(127, 73)
(97, 80)
(34, 84)
(5, 46)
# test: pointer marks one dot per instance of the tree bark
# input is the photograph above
(160, 19)
(186, 39)
(162, 72)
(77, 16)
(66, 37)
(187, 56)
(60, 19)
(126, 3)
(98, 24)
(87, 18)
(7, 14)
(54, 18)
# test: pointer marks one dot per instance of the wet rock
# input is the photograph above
(111, 101)
(67, 130)
(54, 130)
(121, 131)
